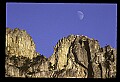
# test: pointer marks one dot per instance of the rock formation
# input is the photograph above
(75, 56)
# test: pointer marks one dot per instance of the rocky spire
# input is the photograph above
(19, 43)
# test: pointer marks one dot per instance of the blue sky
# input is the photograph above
(47, 22)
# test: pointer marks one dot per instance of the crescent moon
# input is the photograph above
(80, 14)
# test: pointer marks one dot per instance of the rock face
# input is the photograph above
(19, 43)
(75, 56)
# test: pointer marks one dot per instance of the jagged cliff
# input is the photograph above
(75, 56)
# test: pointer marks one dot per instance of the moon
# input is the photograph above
(80, 14)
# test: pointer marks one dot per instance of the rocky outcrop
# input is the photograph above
(75, 56)
(19, 43)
